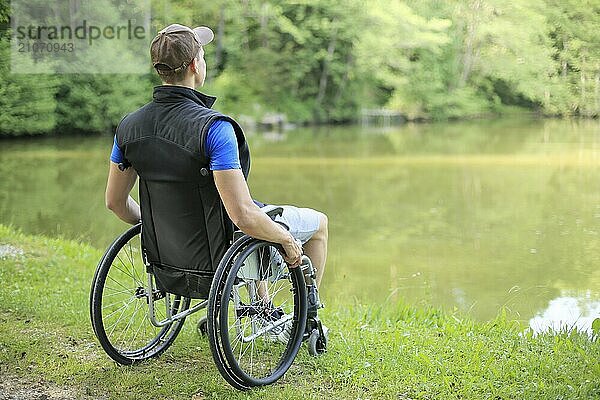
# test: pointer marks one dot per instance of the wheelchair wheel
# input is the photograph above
(257, 314)
(202, 327)
(119, 307)
(317, 343)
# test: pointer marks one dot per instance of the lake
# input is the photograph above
(472, 217)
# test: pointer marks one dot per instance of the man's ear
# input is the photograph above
(194, 66)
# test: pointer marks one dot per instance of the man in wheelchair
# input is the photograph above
(192, 163)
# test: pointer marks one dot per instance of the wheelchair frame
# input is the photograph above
(224, 287)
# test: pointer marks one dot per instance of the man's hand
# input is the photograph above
(293, 252)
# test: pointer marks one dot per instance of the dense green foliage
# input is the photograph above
(325, 60)
(391, 351)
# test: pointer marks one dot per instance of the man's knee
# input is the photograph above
(323, 225)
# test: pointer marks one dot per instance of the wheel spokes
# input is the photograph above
(256, 305)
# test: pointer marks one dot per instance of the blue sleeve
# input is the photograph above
(222, 147)
(116, 156)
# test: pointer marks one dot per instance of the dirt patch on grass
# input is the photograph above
(19, 388)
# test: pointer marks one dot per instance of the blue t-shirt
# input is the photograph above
(221, 147)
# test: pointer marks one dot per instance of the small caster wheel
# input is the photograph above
(202, 327)
(317, 343)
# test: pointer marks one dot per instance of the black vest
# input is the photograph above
(185, 228)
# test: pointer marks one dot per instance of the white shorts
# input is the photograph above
(302, 222)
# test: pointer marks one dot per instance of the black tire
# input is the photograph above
(213, 308)
(202, 327)
(262, 313)
(317, 343)
(118, 305)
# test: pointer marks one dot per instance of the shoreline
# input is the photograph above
(254, 126)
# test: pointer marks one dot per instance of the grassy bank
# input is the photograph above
(376, 352)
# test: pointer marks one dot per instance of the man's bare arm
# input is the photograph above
(117, 195)
(248, 217)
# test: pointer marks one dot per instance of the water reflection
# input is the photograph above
(567, 313)
(474, 215)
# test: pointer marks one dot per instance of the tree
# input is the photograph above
(27, 102)
(576, 41)
(403, 51)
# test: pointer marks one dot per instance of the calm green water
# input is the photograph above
(474, 216)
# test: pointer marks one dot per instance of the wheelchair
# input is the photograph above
(259, 310)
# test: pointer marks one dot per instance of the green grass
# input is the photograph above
(390, 351)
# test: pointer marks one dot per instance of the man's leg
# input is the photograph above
(310, 227)
(316, 248)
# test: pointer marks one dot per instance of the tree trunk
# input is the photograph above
(469, 55)
(564, 61)
(245, 15)
(325, 72)
(345, 79)
(219, 45)
(597, 92)
(73, 9)
(582, 105)
(264, 22)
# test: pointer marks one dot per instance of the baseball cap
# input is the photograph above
(175, 46)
